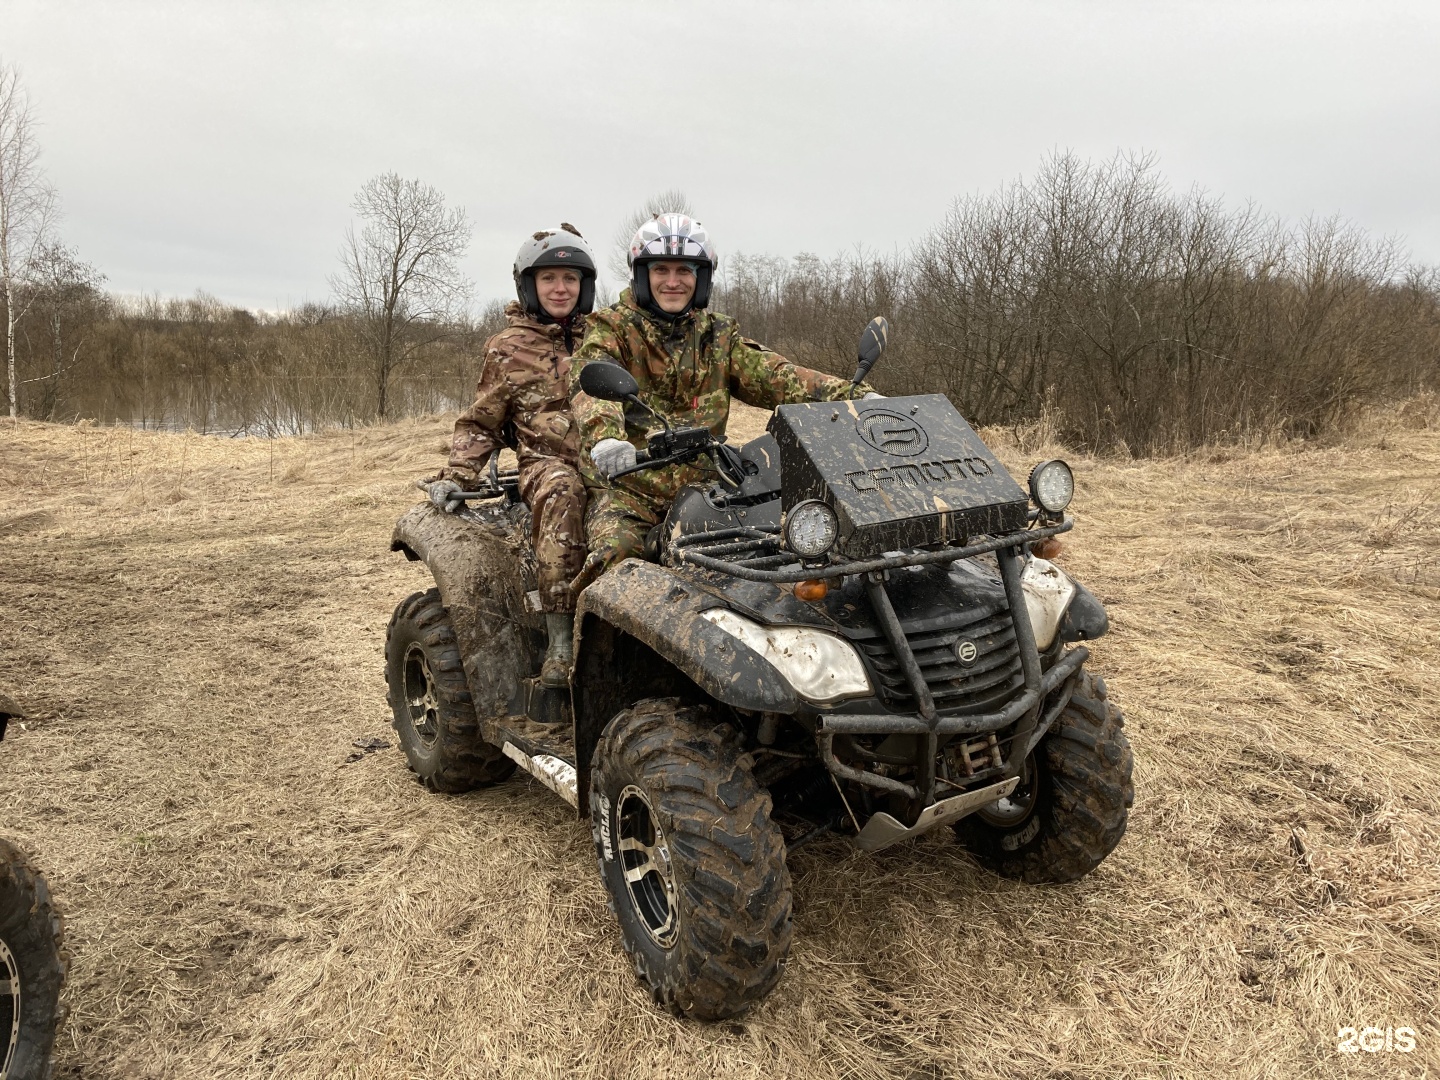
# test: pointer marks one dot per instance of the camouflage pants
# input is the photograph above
(556, 497)
(616, 523)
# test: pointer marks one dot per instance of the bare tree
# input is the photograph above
(67, 303)
(666, 202)
(401, 276)
(27, 204)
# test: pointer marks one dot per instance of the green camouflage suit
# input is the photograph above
(687, 370)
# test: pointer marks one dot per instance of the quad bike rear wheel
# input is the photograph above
(694, 865)
(1072, 806)
(33, 962)
(434, 714)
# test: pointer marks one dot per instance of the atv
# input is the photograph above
(33, 960)
(850, 629)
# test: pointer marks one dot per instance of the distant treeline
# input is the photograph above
(201, 364)
(1136, 319)
(1133, 318)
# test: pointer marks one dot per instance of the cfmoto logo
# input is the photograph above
(891, 433)
(966, 652)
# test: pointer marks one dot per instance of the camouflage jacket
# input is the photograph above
(523, 398)
(688, 371)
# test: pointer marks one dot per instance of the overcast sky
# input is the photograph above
(218, 146)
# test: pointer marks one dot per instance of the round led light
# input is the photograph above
(811, 529)
(1052, 485)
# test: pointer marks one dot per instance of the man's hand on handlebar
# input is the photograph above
(674, 446)
(612, 456)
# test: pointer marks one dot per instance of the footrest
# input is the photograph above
(557, 775)
(546, 704)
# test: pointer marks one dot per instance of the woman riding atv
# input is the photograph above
(522, 401)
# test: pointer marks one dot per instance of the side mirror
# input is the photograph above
(608, 382)
(872, 344)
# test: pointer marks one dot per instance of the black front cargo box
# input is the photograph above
(900, 472)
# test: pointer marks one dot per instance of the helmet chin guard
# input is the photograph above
(562, 247)
(671, 238)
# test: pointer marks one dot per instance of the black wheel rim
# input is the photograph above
(645, 862)
(1014, 809)
(421, 701)
(9, 1008)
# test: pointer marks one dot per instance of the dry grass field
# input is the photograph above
(196, 626)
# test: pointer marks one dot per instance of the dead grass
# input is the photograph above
(196, 624)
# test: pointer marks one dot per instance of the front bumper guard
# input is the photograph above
(886, 724)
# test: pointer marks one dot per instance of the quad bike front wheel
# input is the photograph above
(33, 962)
(694, 865)
(434, 715)
(1071, 809)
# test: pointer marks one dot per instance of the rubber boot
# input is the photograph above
(555, 671)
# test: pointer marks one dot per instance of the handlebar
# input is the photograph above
(493, 492)
(678, 446)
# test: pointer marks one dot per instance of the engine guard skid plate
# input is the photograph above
(882, 830)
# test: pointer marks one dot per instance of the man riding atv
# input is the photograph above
(844, 626)
(522, 401)
(688, 361)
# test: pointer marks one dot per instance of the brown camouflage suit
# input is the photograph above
(688, 370)
(523, 401)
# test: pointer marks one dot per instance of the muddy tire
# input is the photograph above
(33, 962)
(434, 715)
(1071, 813)
(694, 865)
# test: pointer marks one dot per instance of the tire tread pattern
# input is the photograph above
(1089, 763)
(460, 759)
(735, 897)
(34, 931)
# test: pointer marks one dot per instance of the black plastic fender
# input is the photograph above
(476, 561)
(660, 609)
(1085, 618)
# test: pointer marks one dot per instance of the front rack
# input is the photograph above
(755, 554)
(763, 558)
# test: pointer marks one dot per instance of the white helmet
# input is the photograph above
(555, 247)
(671, 237)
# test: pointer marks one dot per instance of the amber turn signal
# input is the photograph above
(1046, 549)
(812, 590)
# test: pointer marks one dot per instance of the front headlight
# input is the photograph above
(811, 529)
(821, 667)
(1052, 485)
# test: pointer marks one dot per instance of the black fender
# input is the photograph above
(661, 610)
(639, 635)
(476, 560)
(1084, 619)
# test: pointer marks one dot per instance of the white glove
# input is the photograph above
(612, 456)
(870, 395)
(442, 493)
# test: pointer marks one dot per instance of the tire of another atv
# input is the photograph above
(434, 715)
(694, 865)
(1079, 795)
(32, 937)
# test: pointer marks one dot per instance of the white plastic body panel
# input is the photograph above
(1048, 593)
